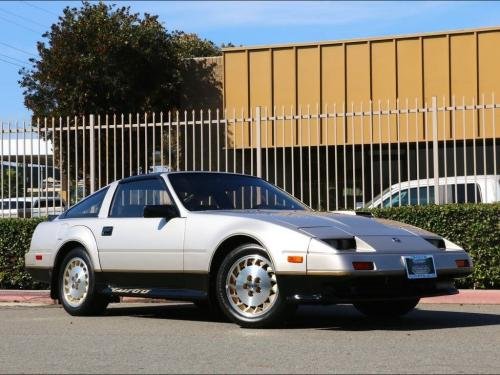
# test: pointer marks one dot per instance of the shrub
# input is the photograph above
(15, 238)
(475, 227)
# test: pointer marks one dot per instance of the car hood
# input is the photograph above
(317, 224)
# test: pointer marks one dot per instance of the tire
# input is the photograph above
(390, 308)
(247, 289)
(77, 289)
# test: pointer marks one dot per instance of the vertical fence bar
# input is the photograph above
(292, 148)
(60, 164)
(45, 188)
(353, 132)
(177, 133)
(217, 119)
(318, 182)
(193, 123)
(464, 146)
(300, 151)
(408, 173)
(68, 156)
(9, 150)
(258, 146)
(389, 150)
(335, 131)
(483, 128)
(417, 151)
(267, 144)
(454, 126)
(493, 113)
(309, 172)
(398, 136)
(372, 187)
(99, 151)
(92, 154)
(53, 137)
(209, 140)
(327, 187)
(84, 160)
(380, 153)
(445, 136)
(185, 141)
(226, 136)
(153, 149)
(24, 167)
(145, 142)
(474, 137)
(344, 128)
(362, 158)
(17, 163)
(201, 140)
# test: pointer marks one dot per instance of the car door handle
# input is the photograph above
(107, 231)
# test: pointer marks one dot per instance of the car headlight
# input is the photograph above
(341, 243)
(437, 242)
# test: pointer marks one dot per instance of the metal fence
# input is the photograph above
(334, 157)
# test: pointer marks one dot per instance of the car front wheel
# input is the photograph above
(77, 289)
(387, 308)
(247, 289)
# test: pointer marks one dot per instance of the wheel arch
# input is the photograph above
(223, 249)
(77, 236)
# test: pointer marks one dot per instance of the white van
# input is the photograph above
(460, 189)
(31, 206)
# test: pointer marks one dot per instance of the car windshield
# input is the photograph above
(221, 191)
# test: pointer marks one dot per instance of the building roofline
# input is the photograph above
(360, 40)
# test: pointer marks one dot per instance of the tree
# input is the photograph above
(100, 59)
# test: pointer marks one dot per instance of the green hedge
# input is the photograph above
(15, 238)
(476, 227)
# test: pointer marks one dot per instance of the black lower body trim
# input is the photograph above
(43, 275)
(344, 289)
(176, 286)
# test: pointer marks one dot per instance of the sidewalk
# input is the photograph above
(465, 297)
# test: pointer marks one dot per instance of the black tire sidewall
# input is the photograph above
(87, 306)
(270, 317)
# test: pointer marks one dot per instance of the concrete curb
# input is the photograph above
(464, 297)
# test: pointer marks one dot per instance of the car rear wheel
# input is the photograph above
(77, 289)
(247, 289)
(387, 308)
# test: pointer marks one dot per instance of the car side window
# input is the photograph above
(131, 197)
(89, 207)
(462, 189)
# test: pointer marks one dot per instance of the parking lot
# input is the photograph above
(179, 338)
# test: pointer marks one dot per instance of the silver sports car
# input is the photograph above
(234, 244)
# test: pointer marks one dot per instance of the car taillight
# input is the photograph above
(462, 263)
(363, 266)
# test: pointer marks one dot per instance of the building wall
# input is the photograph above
(456, 67)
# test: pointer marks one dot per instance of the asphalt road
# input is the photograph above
(178, 338)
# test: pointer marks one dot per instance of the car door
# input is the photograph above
(131, 243)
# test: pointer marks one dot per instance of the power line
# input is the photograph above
(11, 63)
(21, 17)
(18, 49)
(18, 24)
(40, 8)
(13, 58)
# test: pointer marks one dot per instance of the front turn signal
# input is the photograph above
(295, 259)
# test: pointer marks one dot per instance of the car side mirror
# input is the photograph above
(166, 211)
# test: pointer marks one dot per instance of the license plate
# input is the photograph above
(420, 266)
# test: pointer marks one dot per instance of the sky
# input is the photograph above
(22, 24)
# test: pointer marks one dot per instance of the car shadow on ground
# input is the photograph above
(339, 317)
